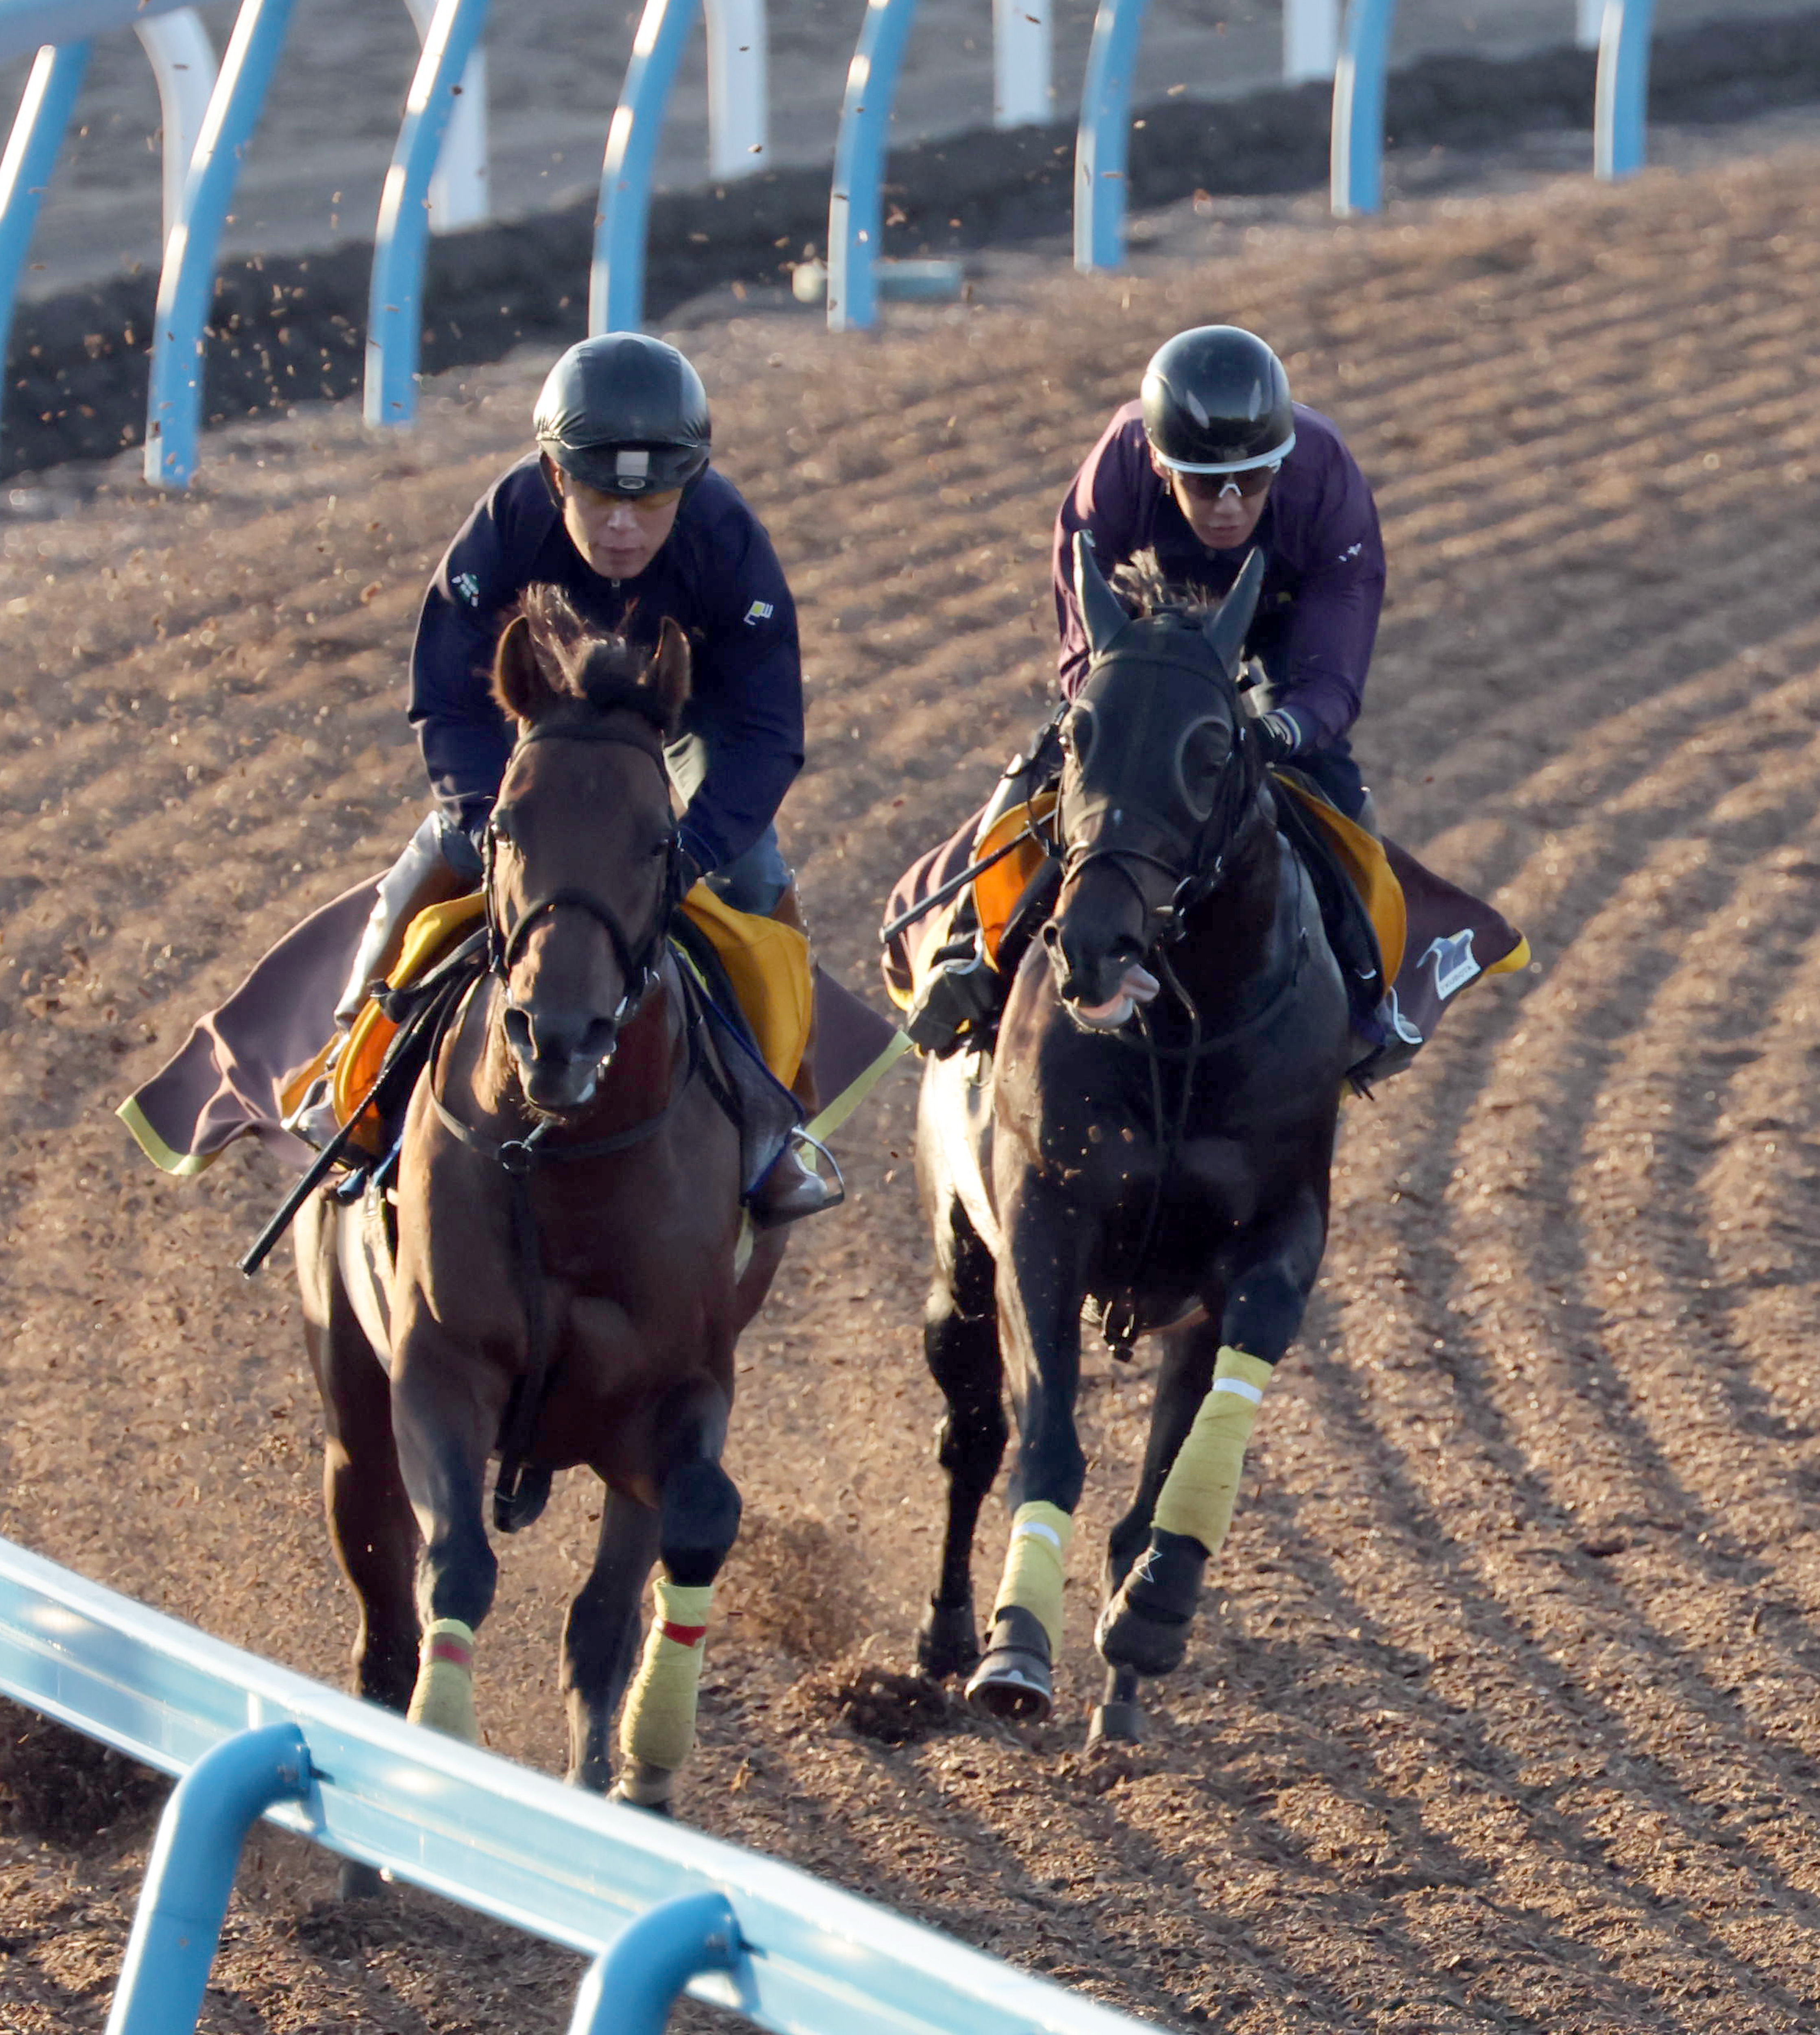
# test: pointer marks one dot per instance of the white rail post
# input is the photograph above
(738, 89)
(461, 191)
(183, 62)
(1023, 62)
(1311, 39)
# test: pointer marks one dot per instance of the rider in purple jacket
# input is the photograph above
(1213, 459)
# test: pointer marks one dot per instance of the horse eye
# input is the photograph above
(1204, 750)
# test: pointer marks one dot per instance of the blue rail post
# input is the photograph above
(186, 288)
(631, 1989)
(856, 203)
(184, 1901)
(1102, 142)
(394, 309)
(1356, 176)
(1621, 115)
(616, 283)
(45, 107)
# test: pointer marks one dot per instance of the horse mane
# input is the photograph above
(602, 669)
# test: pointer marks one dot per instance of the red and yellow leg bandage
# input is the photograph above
(1036, 1565)
(443, 1698)
(1202, 1486)
(657, 1725)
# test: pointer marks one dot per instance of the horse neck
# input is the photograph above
(1238, 940)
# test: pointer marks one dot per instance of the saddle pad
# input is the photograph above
(999, 890)
(1367, 867)
(768, 963)
(432, 933)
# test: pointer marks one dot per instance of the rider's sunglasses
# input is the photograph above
(645, 504)
(1213, 487)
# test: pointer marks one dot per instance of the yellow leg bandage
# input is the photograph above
(658, 1723)
(443, 1698)
(1198, 1494)
(1036, 1564)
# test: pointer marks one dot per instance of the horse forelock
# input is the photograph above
(1143, 586)
(597, 671)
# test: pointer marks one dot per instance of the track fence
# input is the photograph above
(658, 1909)
(437, 179)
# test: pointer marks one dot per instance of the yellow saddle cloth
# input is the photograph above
(998, 891)
(767, 961)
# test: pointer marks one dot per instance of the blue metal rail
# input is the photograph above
(187, 287)
(616, 285)
(395, 307)
(1619, 114)
(1102, 141)
(656, 1907)
(38, 131)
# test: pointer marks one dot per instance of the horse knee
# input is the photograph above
(700, 1520)
(1264, 1310)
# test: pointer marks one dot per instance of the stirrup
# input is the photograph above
(805, 1191)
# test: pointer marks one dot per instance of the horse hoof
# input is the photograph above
(1013, 1683)
(1118, 1724)
(948, 1641)
(1145, 1626)
(360, 1882)
(666, 1810)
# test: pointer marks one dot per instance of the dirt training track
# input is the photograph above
(1509, 1715)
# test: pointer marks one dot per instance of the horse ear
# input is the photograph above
(519, 684)
(1102, 614)
(1227, 628)
(667, 673)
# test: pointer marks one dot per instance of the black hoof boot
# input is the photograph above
(1145, 1626)
(1013, 1683)
(947, 1640)
(1118, 1719)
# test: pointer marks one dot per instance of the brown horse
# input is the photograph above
(569, 1277)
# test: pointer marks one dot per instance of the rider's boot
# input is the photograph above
(421, 877)
(792, 1188)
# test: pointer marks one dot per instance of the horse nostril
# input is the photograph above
(518, 1030)
(599, 1040)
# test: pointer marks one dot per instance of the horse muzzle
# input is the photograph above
(560, 1057)
(1099, 992)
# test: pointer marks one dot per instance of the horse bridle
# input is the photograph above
(1237, 789)
(638, 965)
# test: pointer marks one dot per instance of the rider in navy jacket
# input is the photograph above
(618, 507)
(1213, 459)
(716, 574)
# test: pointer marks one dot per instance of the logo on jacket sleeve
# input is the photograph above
(759, 610)
(468, 587)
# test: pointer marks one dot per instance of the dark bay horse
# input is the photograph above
(1151, 1140)
(570, 1275)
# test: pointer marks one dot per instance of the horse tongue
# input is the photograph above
(1139, 984)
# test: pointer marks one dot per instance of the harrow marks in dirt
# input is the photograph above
(1509, 1716)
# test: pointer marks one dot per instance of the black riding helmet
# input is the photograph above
(1215, 400)
(625, 413)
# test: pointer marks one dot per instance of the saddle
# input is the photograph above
(1386, 916)
(754, 975)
